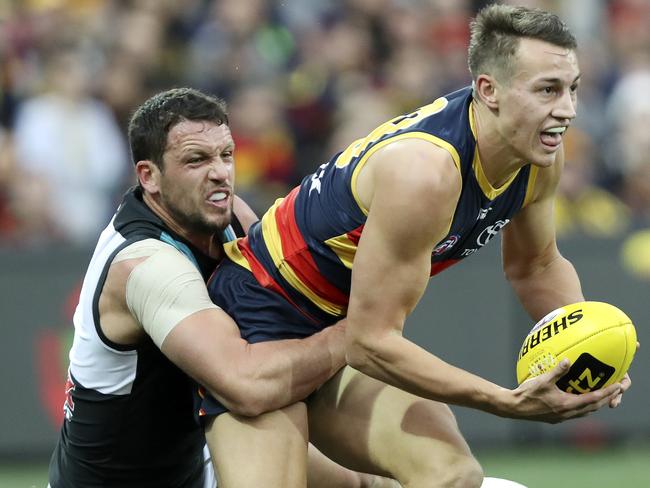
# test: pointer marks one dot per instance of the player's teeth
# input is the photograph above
(556, 130)
(215, 197)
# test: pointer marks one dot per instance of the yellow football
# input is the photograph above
(598, 339)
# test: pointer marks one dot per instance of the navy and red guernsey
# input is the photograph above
(304, 246)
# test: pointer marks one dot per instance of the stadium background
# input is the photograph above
(303, 78)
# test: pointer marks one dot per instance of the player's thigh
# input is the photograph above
(269, 450)
(369, 426)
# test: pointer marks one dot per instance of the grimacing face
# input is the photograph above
(197, 181)
(539, 102)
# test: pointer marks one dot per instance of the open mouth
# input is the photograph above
(219, 198)
(552, 137)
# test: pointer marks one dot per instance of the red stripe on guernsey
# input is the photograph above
(297, 255)
(355, 235)
(261, 275)
(442, 265)
(264, 278)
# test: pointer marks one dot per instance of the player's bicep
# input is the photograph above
(531, 232)
(529, 240)
(415, 189)
(168, 297)
(205, 345)
(164, 289)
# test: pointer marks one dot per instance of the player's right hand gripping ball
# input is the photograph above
(598, 339)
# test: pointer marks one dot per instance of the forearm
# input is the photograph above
(547, 286)
(270, 375)
(252, 378)
(291, 370)
(397, 361)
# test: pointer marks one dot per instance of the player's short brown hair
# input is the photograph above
(497, 30)
(152, 121)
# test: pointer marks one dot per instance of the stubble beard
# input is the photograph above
(196, 223)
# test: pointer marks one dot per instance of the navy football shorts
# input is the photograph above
(261, 314)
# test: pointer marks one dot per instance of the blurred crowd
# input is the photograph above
(302, 79)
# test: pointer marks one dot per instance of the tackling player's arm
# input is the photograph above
(152, 288)
(244, 213)
(412, 189)
(250, 379)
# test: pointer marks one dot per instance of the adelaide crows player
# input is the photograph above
(361, 237)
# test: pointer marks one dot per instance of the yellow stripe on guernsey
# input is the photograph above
(344, 248)
(234, 254)
(271, 235)
(357, 148)
(407, 135)
(394, 125)
(532, 176)
(486, 187)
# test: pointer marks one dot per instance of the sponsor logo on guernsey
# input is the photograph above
(486, 235)
(316, 178)
(545, 332)
(445, 246)
(490, 231)
(482, 213)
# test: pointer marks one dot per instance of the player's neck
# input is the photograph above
(498, 161)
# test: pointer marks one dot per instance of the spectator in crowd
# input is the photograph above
(314, 56)
(70, 143)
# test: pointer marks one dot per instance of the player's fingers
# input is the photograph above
(626, 382)
(582, 413)
(610, 399)
(593, 404)
(616, 401)
(595, 399)
(558, 371)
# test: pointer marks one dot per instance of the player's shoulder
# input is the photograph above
(135, 253)
(142, 249)
(418, 168)
(128, 259)
(417, 158)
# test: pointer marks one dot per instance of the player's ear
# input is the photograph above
(148, 174)
(486, 89)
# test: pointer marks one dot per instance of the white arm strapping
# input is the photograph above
(164, 289)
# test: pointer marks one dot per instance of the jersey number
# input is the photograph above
(402, 122)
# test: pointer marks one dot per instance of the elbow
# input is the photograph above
(247, 408)
(515, 273)
(240, 398)
(509, 275)
(513, 269)
(245, 405)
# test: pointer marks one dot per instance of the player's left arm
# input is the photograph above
(244, 213)
(541, 277)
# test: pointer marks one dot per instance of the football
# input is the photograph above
(500, 483)
(598, 339)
